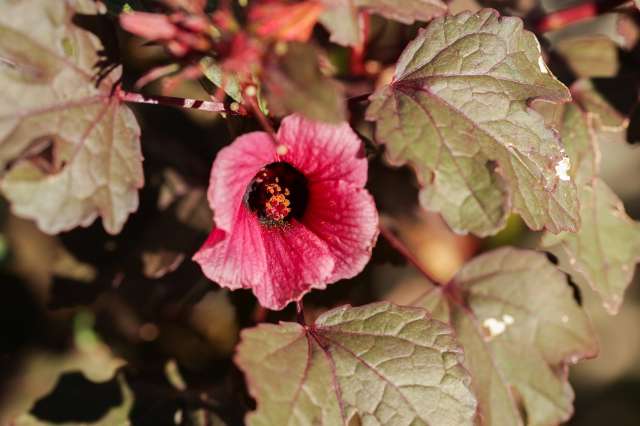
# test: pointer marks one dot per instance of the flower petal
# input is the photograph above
(297, 261)
(234, 259)
(280, 265)
(346, 218)
(234, 168)
(323, 151)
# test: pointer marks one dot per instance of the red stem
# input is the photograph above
(401, 248)
(264, 121)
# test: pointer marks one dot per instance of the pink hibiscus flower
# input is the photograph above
(288, 223)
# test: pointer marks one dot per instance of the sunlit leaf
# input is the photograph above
(72, 151)
(519, 326)
(457, 112)
(605, 250)
(376, 364)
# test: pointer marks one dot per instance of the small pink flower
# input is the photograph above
(288, 223)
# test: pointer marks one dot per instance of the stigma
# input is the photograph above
(277, 194)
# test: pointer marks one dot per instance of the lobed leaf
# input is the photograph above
(607, 118)
(378, 364)
(457, 112)
(605, 250)
(70, 150)
(515, 316)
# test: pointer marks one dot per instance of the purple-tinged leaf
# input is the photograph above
(71, 151)
(377, 364)
(457, 112)
(604, 252)
(607, 118)
(519, 326)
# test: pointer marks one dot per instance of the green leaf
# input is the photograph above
(376, 364)
(214, 73)
(515, 316)
(342, 17)
(604, 252)
(293, 83)
(457, 112)
(71, 150)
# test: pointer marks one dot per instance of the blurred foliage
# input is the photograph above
(109, 329)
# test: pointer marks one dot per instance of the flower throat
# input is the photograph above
(277, 193)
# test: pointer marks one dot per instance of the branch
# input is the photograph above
(401, 248)
(196, 104)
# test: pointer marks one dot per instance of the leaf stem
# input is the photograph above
(401, 248)
(257, 112)
(209, 106)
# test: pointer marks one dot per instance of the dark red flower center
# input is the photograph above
(277, 193)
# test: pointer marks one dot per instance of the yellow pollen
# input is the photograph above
(277, 208)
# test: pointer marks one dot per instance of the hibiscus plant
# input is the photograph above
(350, 212)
